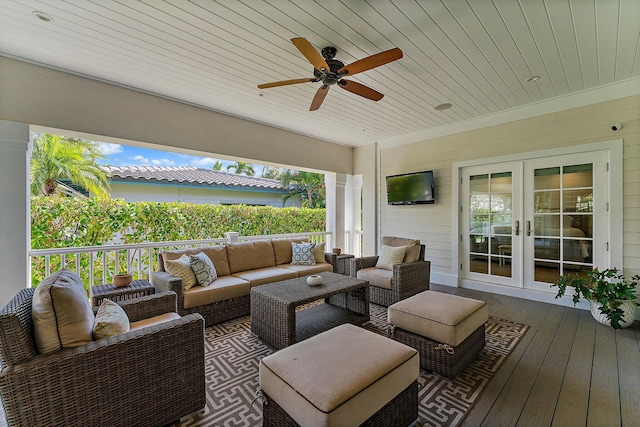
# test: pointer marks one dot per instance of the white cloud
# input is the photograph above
(141, 159)
(202, 162)
(162, 162)
(109, 149)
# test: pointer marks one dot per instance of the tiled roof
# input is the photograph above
(189, 175)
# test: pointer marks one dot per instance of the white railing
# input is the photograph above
(99, 263)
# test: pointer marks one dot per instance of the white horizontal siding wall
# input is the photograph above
(432, 224)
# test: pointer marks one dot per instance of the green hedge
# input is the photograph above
(58, 222)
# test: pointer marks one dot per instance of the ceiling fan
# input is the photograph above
(330, 71)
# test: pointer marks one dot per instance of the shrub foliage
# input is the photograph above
(59, 222)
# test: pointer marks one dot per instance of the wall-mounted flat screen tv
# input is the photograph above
(414, 188)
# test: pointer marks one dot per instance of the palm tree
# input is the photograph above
(217, 166)
(242, 168)
(57, 158)
(308, 186)
(271, 172)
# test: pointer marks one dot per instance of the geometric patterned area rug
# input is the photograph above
(233, 353)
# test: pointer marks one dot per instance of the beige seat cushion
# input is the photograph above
(223, 288)
(377, 277)
(442, 317)
(266, 275)
(250, 255)
(61, 312)
(305, 270)
(413, 247)
(340, 377)
(152, 321)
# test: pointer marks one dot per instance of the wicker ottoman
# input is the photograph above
(447, 330)
(346, 376)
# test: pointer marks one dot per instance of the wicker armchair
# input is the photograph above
(404, 280)
(147, 377)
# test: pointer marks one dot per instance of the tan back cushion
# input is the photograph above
(413, 247)
(217, 254)
(282, 249)
(62, 315)
(250, 255)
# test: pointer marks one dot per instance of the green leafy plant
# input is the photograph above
(608, 287)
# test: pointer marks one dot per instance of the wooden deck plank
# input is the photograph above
(537, 410)
(530, 313)
(628, 371)
(507, 409)
(573, 401)
(604, 399)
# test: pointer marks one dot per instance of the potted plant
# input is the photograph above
(613, 298)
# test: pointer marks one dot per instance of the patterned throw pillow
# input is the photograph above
(203, 269)
(111, 320)
(303, 254)
(390, 255)
(181, 267)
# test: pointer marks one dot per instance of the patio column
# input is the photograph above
(14, 209)
(343, 211)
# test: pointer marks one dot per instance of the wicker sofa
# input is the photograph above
(146, 377)
(401, 281)
(239, 266)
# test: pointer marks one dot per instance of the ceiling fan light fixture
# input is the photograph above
(444, 106)
(42, 16)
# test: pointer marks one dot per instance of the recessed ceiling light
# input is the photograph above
(533, 79)
(444, 106)
(42, 16)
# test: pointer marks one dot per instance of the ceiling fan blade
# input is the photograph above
(286, 82)
(320, 95)
(310, 53)
(372, 61)
(360, 89)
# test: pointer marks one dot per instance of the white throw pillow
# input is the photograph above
(303, 254)
(203, 269)
(390, 255)
(61, 313)
(111, 320)
(318, 253)
(181, 268)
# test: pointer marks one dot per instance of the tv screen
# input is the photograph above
(410, 188)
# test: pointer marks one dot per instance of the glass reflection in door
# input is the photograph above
(490, 223)
(563, 221)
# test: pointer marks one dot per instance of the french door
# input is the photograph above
(526, 223)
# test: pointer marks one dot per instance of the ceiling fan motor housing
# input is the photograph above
(332, 76)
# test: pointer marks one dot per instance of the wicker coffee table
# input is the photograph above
(273, 307)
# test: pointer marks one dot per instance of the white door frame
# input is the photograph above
(615, 160)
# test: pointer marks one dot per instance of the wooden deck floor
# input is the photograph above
(568, 370)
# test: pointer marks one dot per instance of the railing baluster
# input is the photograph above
(91, 268)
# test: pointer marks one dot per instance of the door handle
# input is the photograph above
(517, 230)
(528, 228)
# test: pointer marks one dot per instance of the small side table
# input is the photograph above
(343, 265)
(135, 289)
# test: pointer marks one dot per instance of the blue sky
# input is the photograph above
(124, 155)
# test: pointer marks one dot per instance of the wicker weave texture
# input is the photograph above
(434, 357)
(273, 307)
(400, 411)
(141, 378)
(135, 289)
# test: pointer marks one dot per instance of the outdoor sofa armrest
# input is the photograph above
(150, 306)
(411, 278)
(332, 259)
(94, 384)
(361, 263)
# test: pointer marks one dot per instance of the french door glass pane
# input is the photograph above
(490, 223)
(563, 220)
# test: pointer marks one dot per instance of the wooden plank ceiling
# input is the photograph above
(476, 55)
